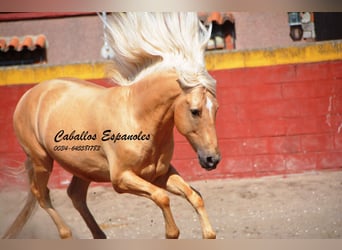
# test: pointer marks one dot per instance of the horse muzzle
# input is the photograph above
(209, 161)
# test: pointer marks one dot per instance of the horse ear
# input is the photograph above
(182, 85)
(180, 82)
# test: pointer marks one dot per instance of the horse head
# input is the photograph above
(195, 117)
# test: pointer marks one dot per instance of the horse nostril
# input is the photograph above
(210, 159)
(209, 162)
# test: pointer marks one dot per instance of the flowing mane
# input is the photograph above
(147, 42)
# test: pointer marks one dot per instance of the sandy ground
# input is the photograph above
(297, 206)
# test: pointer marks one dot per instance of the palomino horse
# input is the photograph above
(124, 134)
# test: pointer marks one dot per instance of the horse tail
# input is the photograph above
(24, 214)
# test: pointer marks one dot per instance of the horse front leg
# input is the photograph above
(175, 184)
(128, 182)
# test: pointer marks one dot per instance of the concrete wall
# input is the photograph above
(70, 39)
(262, 30)
(79, 39)
(274, 120)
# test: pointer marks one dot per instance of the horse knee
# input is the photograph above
(196, 191)
(198, 202)
(43, 199)
(196, 198)
(161, 198)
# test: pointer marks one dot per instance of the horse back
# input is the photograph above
(39, 101)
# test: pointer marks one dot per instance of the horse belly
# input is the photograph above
(85, 165)
(78, 151)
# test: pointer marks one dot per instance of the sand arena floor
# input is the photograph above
(305, 206)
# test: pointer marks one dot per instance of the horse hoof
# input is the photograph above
(65, 234)
(100, 236)
(174, 235)
(210, 235)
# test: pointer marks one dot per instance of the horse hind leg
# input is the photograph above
(77, 192)
(41, 170)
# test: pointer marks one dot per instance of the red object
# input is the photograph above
(272, 120)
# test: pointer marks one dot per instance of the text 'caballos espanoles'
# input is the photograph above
(107, 135)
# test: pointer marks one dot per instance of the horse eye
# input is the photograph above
(195, 112)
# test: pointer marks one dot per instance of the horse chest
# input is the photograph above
(151, 172)
(146, 162)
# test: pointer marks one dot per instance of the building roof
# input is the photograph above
(16, 16)
(219, 17)
(29, 42)
(23, 50)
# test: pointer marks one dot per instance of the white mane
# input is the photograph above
(146, 42)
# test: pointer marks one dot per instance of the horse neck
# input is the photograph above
(153, 97)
